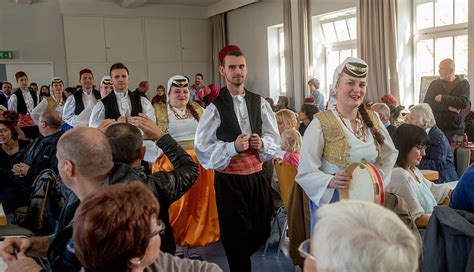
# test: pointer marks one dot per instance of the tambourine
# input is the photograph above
(366, 183)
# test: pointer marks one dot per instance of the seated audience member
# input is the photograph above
(439, 155)
(408, 182)
(11, 116)
(10, 146)
(469, 122)
(271, 102)
(207, 94)
(107, 238)
(286, 119)
(38, 156)
(84, 177)
(359, 236)
(283, 103)
(309, 100)
(390, 100)
(384, 113)
(462, 197)
(126, 144)
(306, 115)
(291, 144)
(160, 96)
(5, 93)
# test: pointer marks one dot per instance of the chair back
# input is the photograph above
(286, 178)
(462, 157)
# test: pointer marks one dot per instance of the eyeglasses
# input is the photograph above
(420, 148)
(304, 250)
(160, 230)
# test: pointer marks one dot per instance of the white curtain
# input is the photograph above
(289, 68)
(377, 32)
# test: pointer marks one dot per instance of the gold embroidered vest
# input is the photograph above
(161, 113)
(336, 148)
(52, 104)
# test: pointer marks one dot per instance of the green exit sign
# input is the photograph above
(6, 54)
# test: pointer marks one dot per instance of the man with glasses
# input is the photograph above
(85, 96)
(235, 135)
(122, 101)
(359, 236)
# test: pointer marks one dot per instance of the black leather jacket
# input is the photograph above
(167, 187)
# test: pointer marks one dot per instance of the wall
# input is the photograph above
(35, 33)
(247, 27)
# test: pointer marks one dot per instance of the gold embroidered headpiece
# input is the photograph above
(355, 69)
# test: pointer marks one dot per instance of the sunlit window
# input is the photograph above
(441, 33)
(281, 54)
(339, 40)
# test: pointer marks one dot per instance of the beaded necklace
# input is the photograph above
(359, 131)
(187, 114)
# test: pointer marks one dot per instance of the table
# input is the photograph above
(430, 174)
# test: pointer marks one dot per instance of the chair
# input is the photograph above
(286, 178)
(462, 157)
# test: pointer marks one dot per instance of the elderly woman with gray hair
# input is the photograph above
(439, 155)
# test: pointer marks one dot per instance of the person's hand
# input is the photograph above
(20, 169)
(340, 181)
(150, 130)
(23, 263)
(438, 98)
(123, 119)
(241, 143)
(105, 124)
(277, 160)
(256, 142)
(8, 246)
(453, 109)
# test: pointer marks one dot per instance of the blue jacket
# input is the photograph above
(439, 156)
(462, 197)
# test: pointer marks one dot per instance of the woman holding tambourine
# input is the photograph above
(347, 134)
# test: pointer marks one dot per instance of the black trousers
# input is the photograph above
(245, 207)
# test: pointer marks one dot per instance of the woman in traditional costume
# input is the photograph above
(194, 216)
(341, 136)
(54, 102)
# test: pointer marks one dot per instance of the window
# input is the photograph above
(281, 61)
(276, 61)
(334, 39)
(440, 32)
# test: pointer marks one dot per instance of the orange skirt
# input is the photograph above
(194, 216)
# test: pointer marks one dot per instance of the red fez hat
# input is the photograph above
(309, 100)
(226, 50)
(85, 71)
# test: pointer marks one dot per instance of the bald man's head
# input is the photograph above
(446, 69)
(89, 151)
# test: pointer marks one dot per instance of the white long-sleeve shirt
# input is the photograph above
(315, 173)
(13, 101)
(125, 108)
(216, 154)
(69, 115)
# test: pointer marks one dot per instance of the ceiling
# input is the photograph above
(202, 3)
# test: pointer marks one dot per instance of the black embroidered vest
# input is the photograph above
(20, 101)
(229, 128)
(79, 103)
(112, 110)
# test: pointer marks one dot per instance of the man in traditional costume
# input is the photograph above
(237, 132)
